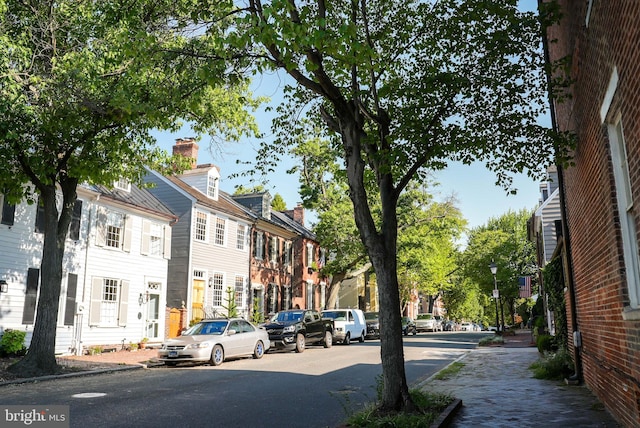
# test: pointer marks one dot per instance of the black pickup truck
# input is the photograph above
(297, 328)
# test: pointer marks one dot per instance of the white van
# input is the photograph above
(349, 324)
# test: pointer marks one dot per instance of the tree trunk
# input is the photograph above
(40, 358)
(334, 290)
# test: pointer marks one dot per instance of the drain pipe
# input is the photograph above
(576, 378)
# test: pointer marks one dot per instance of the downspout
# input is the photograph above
(573, 311)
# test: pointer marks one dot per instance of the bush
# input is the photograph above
(12, 342)
(545, 343)
(554, 366)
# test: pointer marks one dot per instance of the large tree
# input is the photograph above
(82, 84)
(403, 87)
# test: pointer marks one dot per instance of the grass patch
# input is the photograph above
(553, 366)
(491, 340)
(450, 371)
(428, 407)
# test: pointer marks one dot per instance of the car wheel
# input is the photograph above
(217, 355)
(328, 339)
(258, 351)
(347, 340)
(361, 338)
(414, 332)
(299, 343)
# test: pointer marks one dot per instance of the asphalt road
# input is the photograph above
(317, 388)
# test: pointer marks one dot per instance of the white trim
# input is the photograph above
(608, 96)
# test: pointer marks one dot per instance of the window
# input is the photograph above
(241, 237)
(217, 284)
(8, 212)
(109, 302)
(201, 226)
(258, 245)
(221, 225)
(212, 187)
(115, 226)
(239, 290)
(122, 184)
(155, 239)
(625, 210)
(273, 250)
(74, 226)
(287, 253)
(309, 255)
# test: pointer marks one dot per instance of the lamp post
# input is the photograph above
(494, 271)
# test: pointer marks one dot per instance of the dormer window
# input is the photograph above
(122, 184)
(212, 186)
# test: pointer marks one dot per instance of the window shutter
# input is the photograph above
(146, 236)
(255, 244)
(101, 227)
(96, 301)
(8, 213)
(126, 242)
(70, 305)
(124, 303)
(74, 227)
(166, 252)
(30, 299)
(39, 227)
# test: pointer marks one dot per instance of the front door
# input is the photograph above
(153, 315)
(197, 299)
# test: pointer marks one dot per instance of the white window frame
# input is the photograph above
(114, 230)
(122, 184)
(259, 245)
(240, 284)
(220, 233)
(212, 186)
(273, 249)
(310, 254)
(217, 288)
(241, 237)
(201, 226)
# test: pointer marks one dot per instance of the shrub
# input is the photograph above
(554, 366)
(12, 342)
(544, 342)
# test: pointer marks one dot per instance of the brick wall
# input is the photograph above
(611, 345)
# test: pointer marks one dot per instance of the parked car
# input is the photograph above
(348, 324)
(408, 326)
(372, 320)
(297, 328)
(427, 322)
(450, 325)
(214, 341)
(467, 326)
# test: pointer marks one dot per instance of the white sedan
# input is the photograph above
(466, 326)
(214, 341)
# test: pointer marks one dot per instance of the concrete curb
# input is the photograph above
(447, 415)
(74, 374)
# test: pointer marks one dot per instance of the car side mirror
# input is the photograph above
(231, 332)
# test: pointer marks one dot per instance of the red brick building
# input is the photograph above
(601, 39)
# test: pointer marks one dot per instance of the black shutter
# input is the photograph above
(255, 244)
(74, 227)
(8, 213)
(30, 298)
(70, 307)
(39, 217)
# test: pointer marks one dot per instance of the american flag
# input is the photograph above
(524, 283)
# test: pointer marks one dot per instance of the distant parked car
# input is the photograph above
(408, 326)
(427, 322)
(295, 329)
(348, 324)
(214, 341)
(450, 326)
(467, 326)
(372, 319)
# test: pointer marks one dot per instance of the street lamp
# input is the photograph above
(496, 293)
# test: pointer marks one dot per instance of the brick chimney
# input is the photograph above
(187, 147)
(298, 214)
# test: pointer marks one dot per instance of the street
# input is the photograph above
(318, 388)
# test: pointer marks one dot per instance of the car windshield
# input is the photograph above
(371, 315)
(335, 315)
(289, 316)
(425, 316)
(207, 327)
